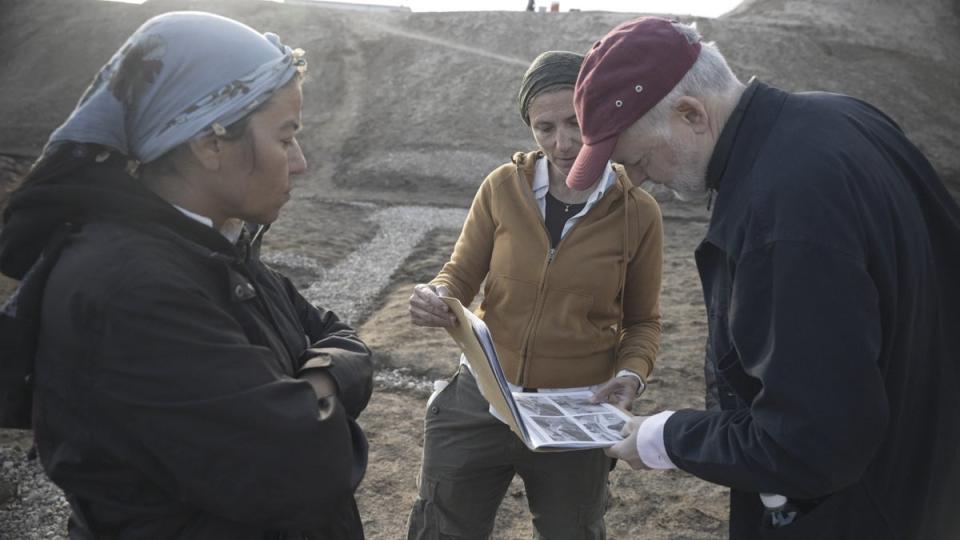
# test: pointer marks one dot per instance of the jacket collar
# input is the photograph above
(735, 157)
(724, 146)
(541, 182)
(526, 163)
(35, 212)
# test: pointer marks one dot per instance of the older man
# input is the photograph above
(830, 278)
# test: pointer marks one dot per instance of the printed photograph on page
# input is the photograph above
(559, 429)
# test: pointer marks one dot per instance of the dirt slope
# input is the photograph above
(397, 97)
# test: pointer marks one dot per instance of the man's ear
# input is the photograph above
(207, 150)
(692, 112)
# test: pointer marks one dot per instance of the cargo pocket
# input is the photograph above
(422, 523)
(830, 519)
(808, 526)
(440, 385)
(438, 400)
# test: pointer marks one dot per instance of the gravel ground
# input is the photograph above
(352, 287)
(30, 506)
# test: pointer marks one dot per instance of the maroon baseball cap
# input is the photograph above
(622, 77)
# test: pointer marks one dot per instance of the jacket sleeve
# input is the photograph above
(213, 419)
(711, 394)
(640, 337)
(805, 326)
(335, 346)
(470, 261)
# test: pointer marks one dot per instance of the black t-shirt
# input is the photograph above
(556, 215)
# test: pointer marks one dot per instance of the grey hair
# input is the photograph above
(710, 75)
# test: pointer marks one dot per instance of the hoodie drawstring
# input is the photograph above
(623, 266)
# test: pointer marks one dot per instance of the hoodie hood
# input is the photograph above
(35, 213)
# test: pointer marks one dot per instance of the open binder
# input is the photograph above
(544, 421)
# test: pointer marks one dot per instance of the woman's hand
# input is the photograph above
(620, 391)
(426, 308)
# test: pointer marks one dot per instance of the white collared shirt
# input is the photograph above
(541, 185)
(650, 444)
(230, 230)
(194, 216)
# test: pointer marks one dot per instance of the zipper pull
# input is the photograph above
(551, 254)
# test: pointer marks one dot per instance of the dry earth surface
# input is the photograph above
(405, 113)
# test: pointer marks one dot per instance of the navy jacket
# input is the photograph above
(167, 403)
(831, 275)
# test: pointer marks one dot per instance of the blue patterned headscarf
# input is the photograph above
(179, 75)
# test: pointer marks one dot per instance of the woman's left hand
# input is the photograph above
(620, 391)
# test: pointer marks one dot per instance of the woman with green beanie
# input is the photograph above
(571, 296)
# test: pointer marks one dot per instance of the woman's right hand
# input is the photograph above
(426, 308)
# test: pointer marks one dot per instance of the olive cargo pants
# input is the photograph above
(469, 460)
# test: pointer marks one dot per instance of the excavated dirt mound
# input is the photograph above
(416, 107)
(405, 113)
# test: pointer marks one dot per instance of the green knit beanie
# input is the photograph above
(552, 68)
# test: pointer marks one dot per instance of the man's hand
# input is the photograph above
(426, 308)
(627, 448)
(620, 391)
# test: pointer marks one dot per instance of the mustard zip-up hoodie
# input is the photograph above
(554, 314)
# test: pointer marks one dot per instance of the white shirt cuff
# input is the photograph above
(650, 443)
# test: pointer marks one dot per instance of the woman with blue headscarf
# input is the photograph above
(180, 388)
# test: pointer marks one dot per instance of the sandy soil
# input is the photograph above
(394, 98)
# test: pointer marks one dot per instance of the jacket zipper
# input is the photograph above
(525, 351)
(551, 254)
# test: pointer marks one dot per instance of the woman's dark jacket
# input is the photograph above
(831, 275)
(167, 403)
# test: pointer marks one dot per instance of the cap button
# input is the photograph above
(618, 103)
(638, 88)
